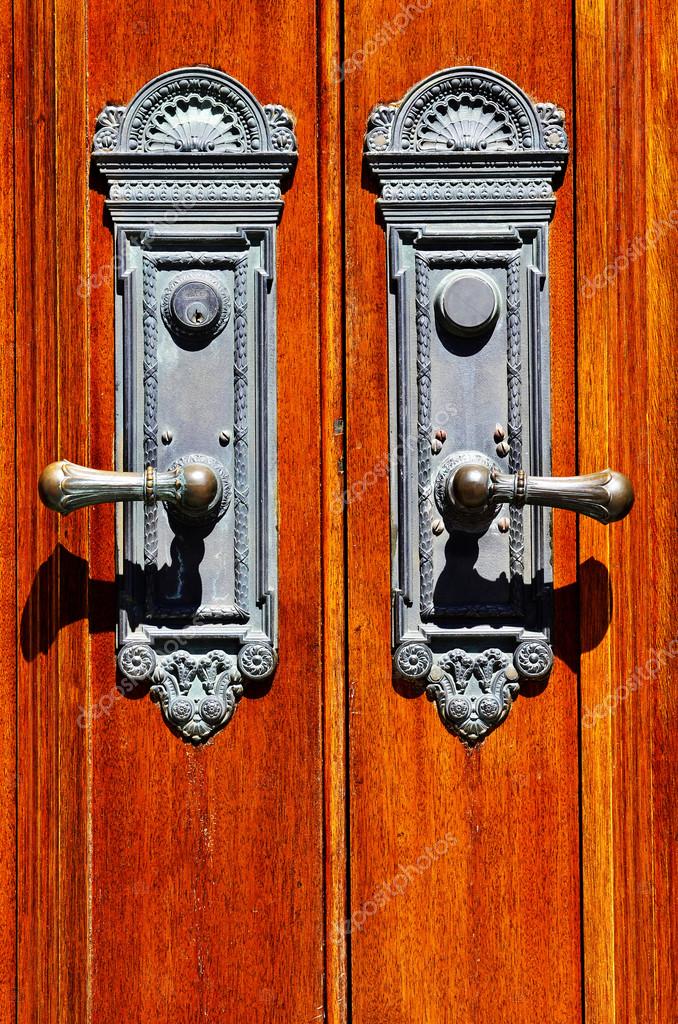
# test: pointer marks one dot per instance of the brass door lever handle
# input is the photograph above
(195, 489)
(477, 490)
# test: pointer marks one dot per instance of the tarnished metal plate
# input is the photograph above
(466, 165)
(193, 170)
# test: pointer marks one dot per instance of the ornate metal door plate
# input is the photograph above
(193, 168)
(466, 166)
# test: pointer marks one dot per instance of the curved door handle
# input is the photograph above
(195, 489)
(466, 166)
(476, 490)
(196, 386)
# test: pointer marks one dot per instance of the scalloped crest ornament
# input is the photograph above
(465, 110)
(196, 110)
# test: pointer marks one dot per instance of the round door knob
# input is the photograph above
(468, 303)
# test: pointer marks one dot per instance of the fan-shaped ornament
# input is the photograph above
(466, 123)
(194, 124)
(465, 166)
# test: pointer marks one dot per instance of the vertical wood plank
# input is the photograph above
(205, 867)
(661, 102)
(8, 544)
(73, 779)
(331, 331)
(38, 596)
(207, 864)
(490, 930)
(626, 90)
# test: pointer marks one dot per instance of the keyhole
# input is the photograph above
(195, 307)
(197, 313)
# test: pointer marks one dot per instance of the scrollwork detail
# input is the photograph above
(281, 125)
(107, 132)
(473, 693)
(379, 127)
(197, 111)
(137, 661)
(466, 110)
(552, 120)
(198, 694)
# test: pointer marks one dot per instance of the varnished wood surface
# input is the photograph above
(158, 882)
(8, 560)
(628, 417)
(490, 931)
(330, 157)
(37, 551)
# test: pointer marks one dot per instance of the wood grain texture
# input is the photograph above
(74, 774)
(210, 862)
(490, 931)
(330, 164)
(627, 277)
(157, 882)
(38, 595)
(205, 867)
(8, 551)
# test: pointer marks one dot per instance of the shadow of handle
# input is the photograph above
(63, 593)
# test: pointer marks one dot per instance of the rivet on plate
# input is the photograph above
(437, 526)
(167, 436)
(503, 449)
(504, 524)
(224, 438)
(499, 433)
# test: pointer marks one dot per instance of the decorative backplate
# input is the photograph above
(194, 168)
(466, 166)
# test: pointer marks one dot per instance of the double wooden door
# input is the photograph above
(334, 854)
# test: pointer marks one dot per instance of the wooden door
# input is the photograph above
(147, 867)
(145, 879)
(549, 897)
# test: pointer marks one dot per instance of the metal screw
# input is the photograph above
(503, 449)
(499, 433)
(438, 527)
(166, 437)
(436, 446)
(441, 435)
(504, 524)
(224, 438)
(436, 673)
